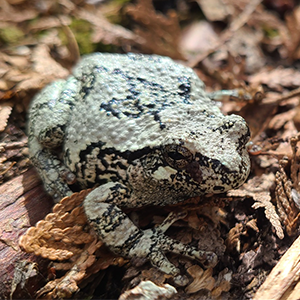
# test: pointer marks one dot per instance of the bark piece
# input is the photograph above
(280, 282)
(23, 202)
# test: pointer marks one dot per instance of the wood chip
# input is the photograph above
(280, 282)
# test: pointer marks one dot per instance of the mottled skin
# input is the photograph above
(143, 129)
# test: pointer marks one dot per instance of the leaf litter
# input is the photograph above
(253, 46)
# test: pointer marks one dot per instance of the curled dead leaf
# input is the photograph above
(202, 279)
(259, 189)
(233, 239)
(161, 33)
(5, 110)
(286, 206)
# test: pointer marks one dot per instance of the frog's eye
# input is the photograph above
(177, 156)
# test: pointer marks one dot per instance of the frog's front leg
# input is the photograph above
(49, 114)
(120, 234)
(55, 175)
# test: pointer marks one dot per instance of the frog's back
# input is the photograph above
(130, 102)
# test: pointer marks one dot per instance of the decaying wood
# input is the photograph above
(283, 282)
(23, 202)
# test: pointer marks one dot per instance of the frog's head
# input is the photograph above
(211, 156)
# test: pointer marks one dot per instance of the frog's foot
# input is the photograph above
(152, 244)
(120, 234)
(55, 175)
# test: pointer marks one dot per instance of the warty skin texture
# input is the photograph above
(143, 129)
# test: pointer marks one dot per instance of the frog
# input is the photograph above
(141, 131)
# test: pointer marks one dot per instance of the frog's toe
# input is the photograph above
(207, 258)
(55, 175)
(159, 260)
(153, 244)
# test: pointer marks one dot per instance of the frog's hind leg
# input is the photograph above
(207, 258)
(120, 234)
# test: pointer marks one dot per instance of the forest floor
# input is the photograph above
(251, 46)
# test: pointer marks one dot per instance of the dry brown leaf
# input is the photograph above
(277, 78)
(154, 275)
(47, 22)
(287, 191)
(22, 74)
(246, 43)
(259, 189)
(161, 33)
(222, 284)
(16, 61)
(287, 210)
(205, 232)
(258, 115)
(5, 111)
(253, 225)
(264, 200)
(242, 17)
(279, 120)
(194, 221)
(296, 118)
(233, 239)
(287, 39)
(295, 163)
(293, 25)
(215, 10)
(9, 14)
(45, 65)
(108, 33)
(202, 279)
(198, 38)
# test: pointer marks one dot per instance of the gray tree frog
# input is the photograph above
(142, 129)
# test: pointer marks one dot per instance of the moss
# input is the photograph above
(10, 35)
(82, 31)
(270, 32)
(113, 11)
(107, 48)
